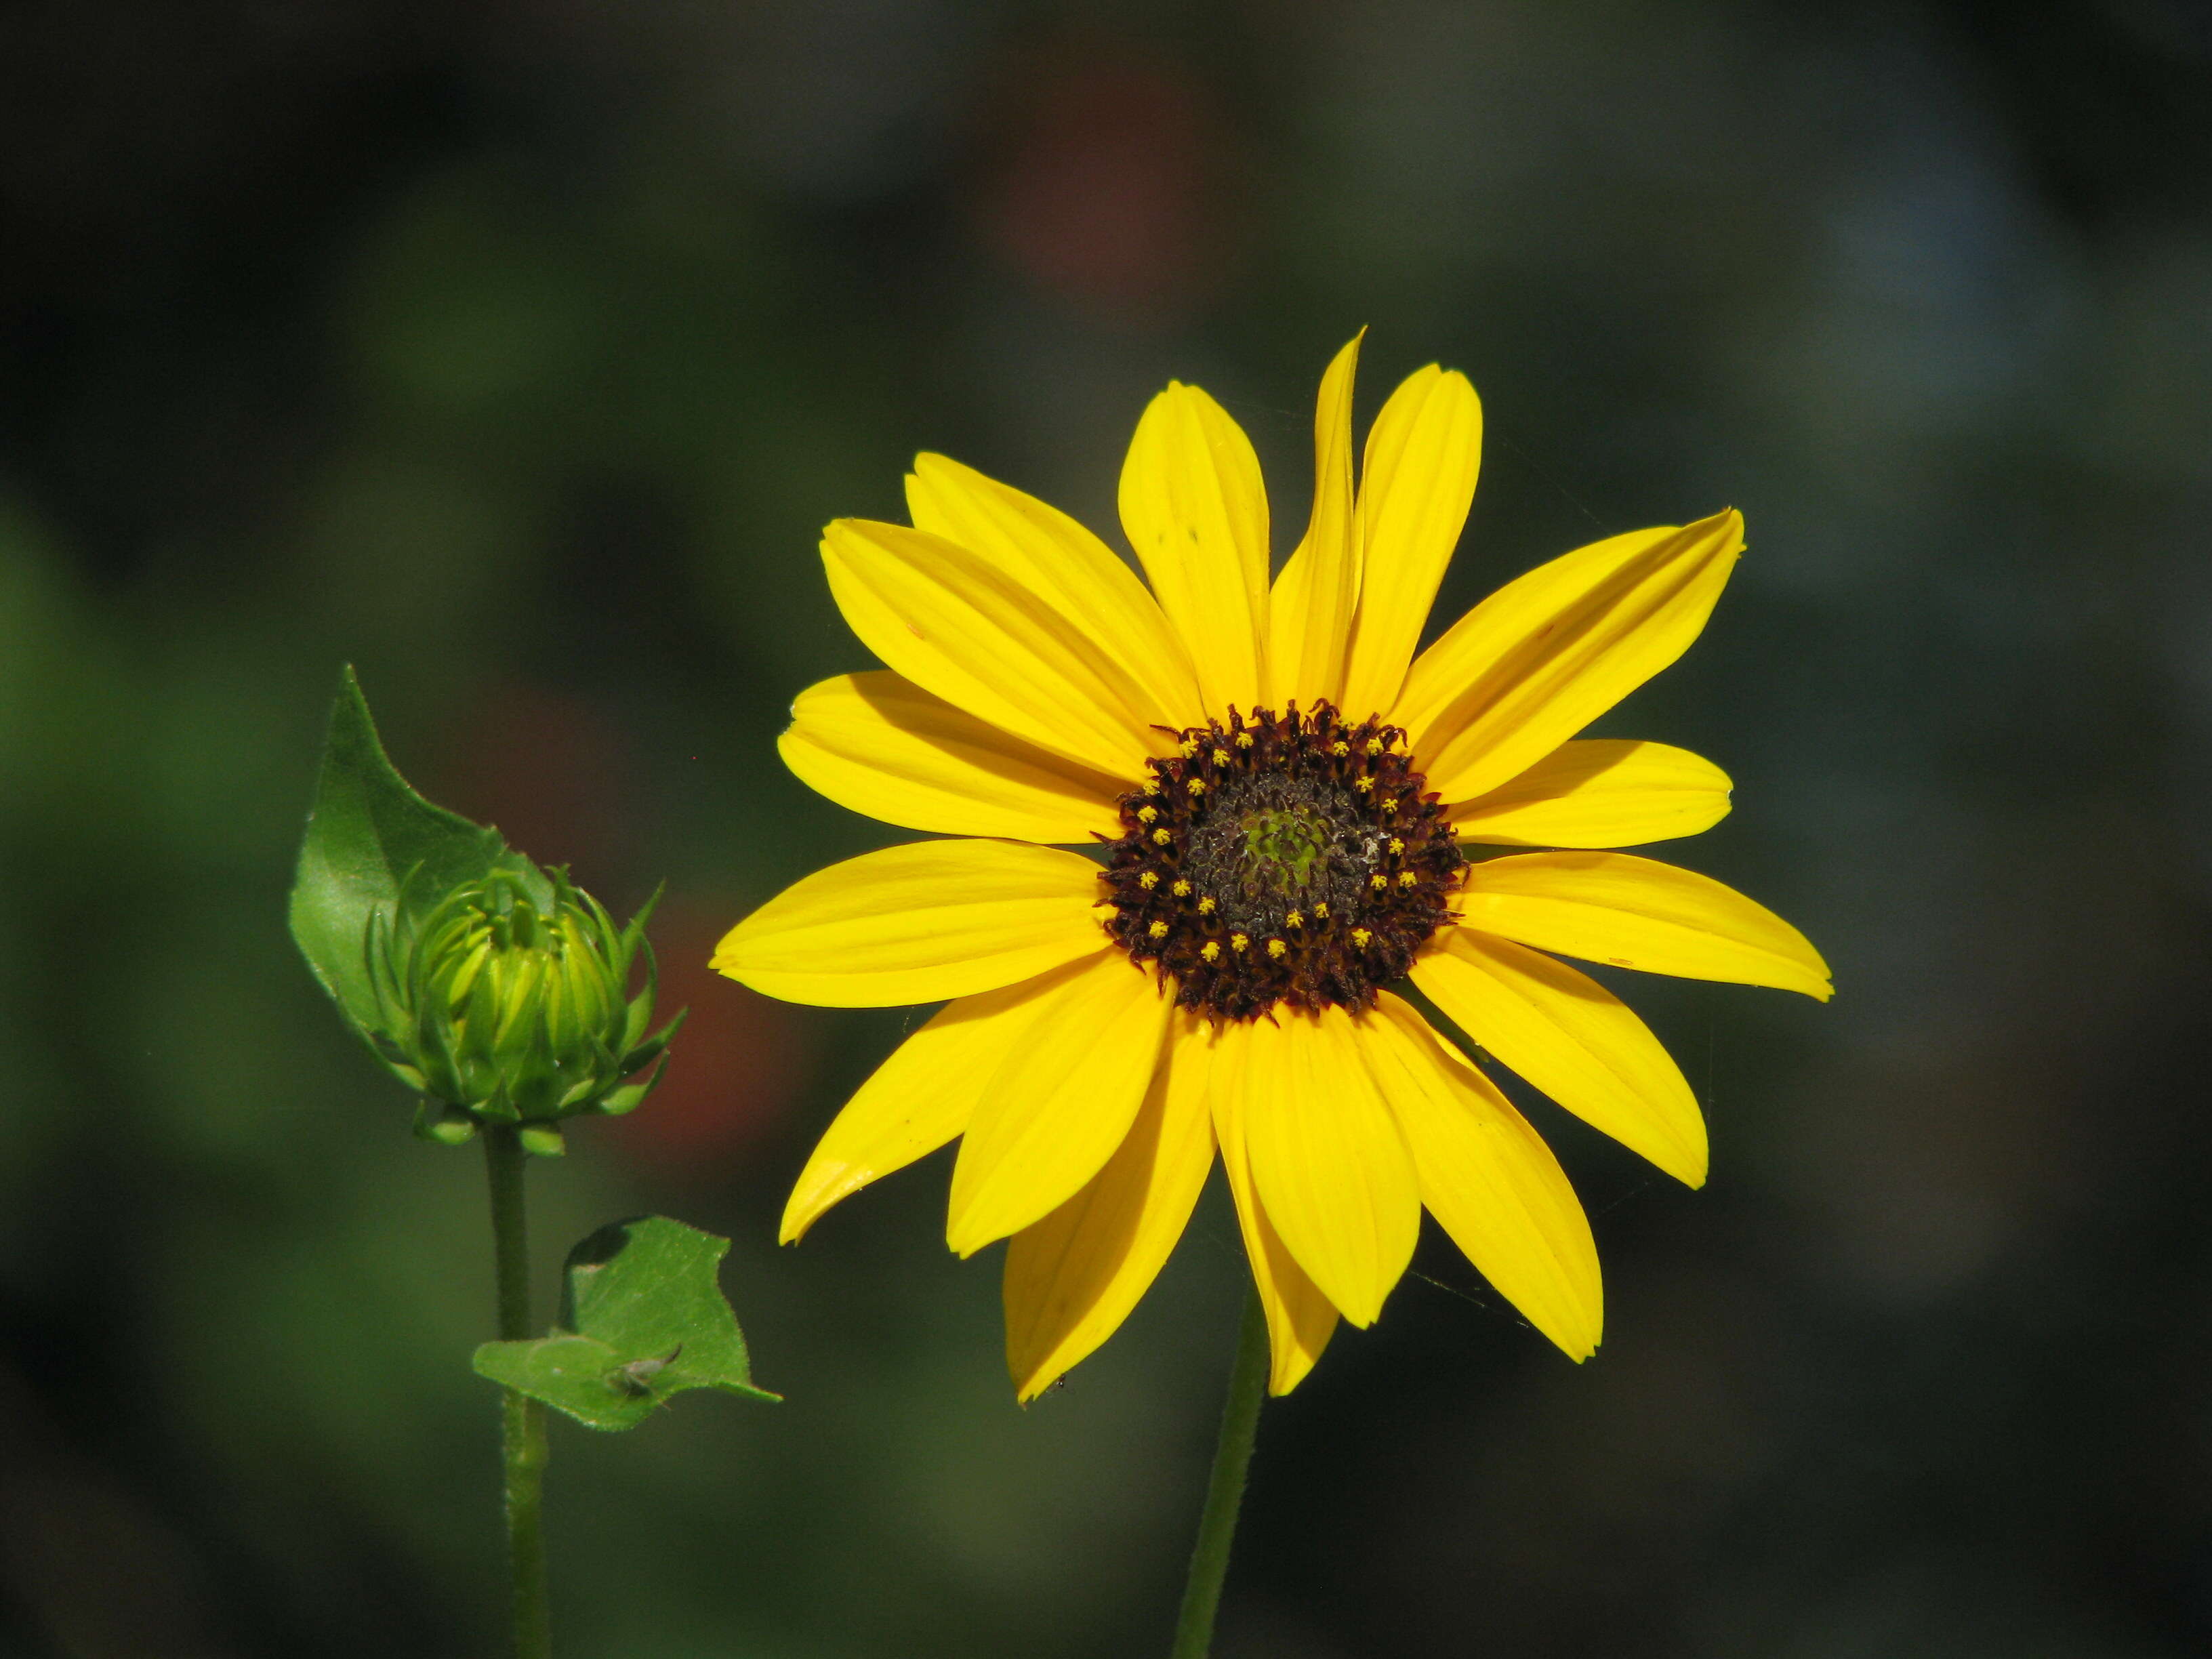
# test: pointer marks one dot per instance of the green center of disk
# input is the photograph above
(1285, 849)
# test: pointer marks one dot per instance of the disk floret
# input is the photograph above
(1289, 858)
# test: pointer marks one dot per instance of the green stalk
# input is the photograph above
(1225, 1490)
(522, 1420)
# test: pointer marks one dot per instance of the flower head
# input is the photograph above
(1298, 815)
(500, 1011)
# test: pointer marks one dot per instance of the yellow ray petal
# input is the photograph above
(1572, 1039)
(974, 634)
(1311, 605)
(918, 923)
(1300, 1319)
(920, 1097)
(1489, 1179)
(1638, 913)
(1054, 1112)
(1415, 487)
(1550, 652)
(1072, 1278)
(880, 744)
(1195, 509)
(1329, 1162)
(1602, 792)
(1057, 556)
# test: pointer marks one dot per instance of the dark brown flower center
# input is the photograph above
(1286, 858)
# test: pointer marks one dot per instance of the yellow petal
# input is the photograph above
(1300, 1319)
(880, 744)
(919, 923)
(1056, 555)
(1572, 1039)
(1489, 1179)
(1055, 1110)
(1311, 605)
(918, 1099)
(1602, 791)
(1329, 1160)
(1415, 486)
(1072, 1278)
(1195, 509)
(974, 634)
(1638, 913)
(1550, 652)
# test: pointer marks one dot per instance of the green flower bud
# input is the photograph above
(498, 1011)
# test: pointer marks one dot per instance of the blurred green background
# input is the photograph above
(517, 351)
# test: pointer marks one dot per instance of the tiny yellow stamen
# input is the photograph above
(1160, 837)
(1157, 930)
(1339, 748)
(1374, 746)
(1189, 747)
(1197, 786)
(1243, 739)
(1397, 846)
(1294, 920)
(1360, 937)
(1146, 814)
(1180, 889)
(1206, 907)
(1363, 785)
(1378, 881)
(1276, 948)
(1389, 806)
(1407, 878)
(1210, 951)
(1321, 910)
(1221, 758)
(1150, 878)
(1238, 941)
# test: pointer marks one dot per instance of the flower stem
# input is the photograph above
(522, 1420)
(1225, 1490)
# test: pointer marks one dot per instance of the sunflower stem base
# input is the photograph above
(1224, 1489)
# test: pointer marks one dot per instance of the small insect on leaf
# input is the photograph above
(635, 1379)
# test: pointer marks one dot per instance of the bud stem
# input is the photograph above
(522, 1420)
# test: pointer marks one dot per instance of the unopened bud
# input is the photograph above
(501, 1009)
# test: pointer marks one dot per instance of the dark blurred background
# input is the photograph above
(516, 351)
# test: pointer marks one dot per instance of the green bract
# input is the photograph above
(498, 1010)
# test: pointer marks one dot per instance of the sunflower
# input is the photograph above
(1288, 815)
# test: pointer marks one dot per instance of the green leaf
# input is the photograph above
(366, 830)
(642, 1317)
